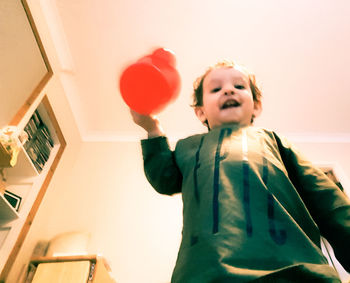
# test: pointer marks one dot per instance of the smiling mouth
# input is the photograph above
(230, 104)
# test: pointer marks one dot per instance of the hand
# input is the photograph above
(148, 122)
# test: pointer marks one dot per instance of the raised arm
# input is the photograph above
(159, 161)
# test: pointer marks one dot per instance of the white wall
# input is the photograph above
(136, 229)
(106, 194)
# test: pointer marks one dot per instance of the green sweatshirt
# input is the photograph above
(253, 208)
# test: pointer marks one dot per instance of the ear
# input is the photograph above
(257, 108)
(200, 114)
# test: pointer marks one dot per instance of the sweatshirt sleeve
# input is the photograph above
(160, 166)
(327, 204)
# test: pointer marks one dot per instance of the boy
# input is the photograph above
(253, 207)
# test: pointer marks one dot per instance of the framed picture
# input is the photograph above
(24, 69)
(13, 199)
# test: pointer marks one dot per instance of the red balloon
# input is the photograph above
(151, 83)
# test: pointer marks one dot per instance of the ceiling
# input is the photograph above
(298, 50)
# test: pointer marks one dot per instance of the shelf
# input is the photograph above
(7, 212)
(41, 137)
(25, 181)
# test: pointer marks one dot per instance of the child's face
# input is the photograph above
(227, 99)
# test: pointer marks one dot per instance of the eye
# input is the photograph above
(216, 89)
(239, 86)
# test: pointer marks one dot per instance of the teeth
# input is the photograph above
(230, 103)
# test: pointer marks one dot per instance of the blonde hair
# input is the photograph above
(197, 96)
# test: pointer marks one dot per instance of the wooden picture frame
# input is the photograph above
(25, 68)
(15, 17)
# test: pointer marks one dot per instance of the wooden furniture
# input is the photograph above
(28, 179)
(71, 269)
(25, 72)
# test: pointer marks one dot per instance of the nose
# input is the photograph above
(229, 89)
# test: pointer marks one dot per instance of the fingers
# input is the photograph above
(147, 122)
(141, 119)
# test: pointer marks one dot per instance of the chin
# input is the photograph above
(236, 123)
